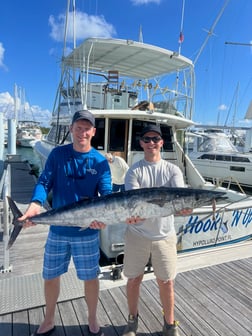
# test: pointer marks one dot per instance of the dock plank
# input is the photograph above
(210, 306)
(113, 302)
(228, 297)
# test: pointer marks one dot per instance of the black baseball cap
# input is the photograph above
(151, 128)
(84, 115)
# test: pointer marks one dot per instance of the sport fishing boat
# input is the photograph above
(28, 132)
(218, 160)
(127, 85)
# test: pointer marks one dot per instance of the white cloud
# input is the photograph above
(222, 107)
(86, 26)
(31, 112)
(144, 2)
(6, 99)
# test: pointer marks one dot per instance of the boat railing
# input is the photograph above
(123, 94)
(228, 181)
(170, 104)
(5, 189)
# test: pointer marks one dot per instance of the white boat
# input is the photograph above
(28, 132)
(218, 160)
(126, 85)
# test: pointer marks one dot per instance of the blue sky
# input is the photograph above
(31, 46)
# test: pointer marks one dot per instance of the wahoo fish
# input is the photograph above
(115, 208)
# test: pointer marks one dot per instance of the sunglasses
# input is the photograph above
(154, 139)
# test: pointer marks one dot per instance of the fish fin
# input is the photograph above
(17, 225)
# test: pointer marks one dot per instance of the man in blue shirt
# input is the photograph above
(72, 172)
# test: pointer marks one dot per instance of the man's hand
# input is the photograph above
(97, 225)
(184, 212)
(32, 210)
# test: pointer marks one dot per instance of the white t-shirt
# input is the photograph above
(144, 174)
(118, 168)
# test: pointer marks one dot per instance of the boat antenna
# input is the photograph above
(66, 25)
(140, 38)
(16, 103)
(210, 32)
(181, 35)
(234, 100)
(74, 32)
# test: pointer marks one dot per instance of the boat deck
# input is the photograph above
(213, 292)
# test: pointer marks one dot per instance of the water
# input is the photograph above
(27, 154)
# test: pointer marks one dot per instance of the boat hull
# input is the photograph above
(222, 172)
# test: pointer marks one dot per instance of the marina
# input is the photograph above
(128, 85)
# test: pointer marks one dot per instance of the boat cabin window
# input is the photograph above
(51, 136)
(220, 157)
(207, 157)
(98, 139)
(63, 135)
(60, 136)
(223, 157)
(240, 159)
(137, 128)
(117, 133)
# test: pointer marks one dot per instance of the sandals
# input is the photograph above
(99, 333)
(47, 333)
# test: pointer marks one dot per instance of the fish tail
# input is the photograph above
(17, 225)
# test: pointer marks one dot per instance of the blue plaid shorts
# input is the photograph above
(83, 249)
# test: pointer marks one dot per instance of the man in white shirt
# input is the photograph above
(155, 238)
(119, 168)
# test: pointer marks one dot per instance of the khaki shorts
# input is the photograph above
(163, 254)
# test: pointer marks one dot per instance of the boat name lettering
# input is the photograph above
(194, 225)
(246, 217)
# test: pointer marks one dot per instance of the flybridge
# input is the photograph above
(131, 58)
(118, 74)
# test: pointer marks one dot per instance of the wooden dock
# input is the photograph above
(212, 301)
(213, 290)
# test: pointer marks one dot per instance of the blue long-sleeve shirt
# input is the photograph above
(72, 176)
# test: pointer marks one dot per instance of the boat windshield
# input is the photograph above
(216, 144)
